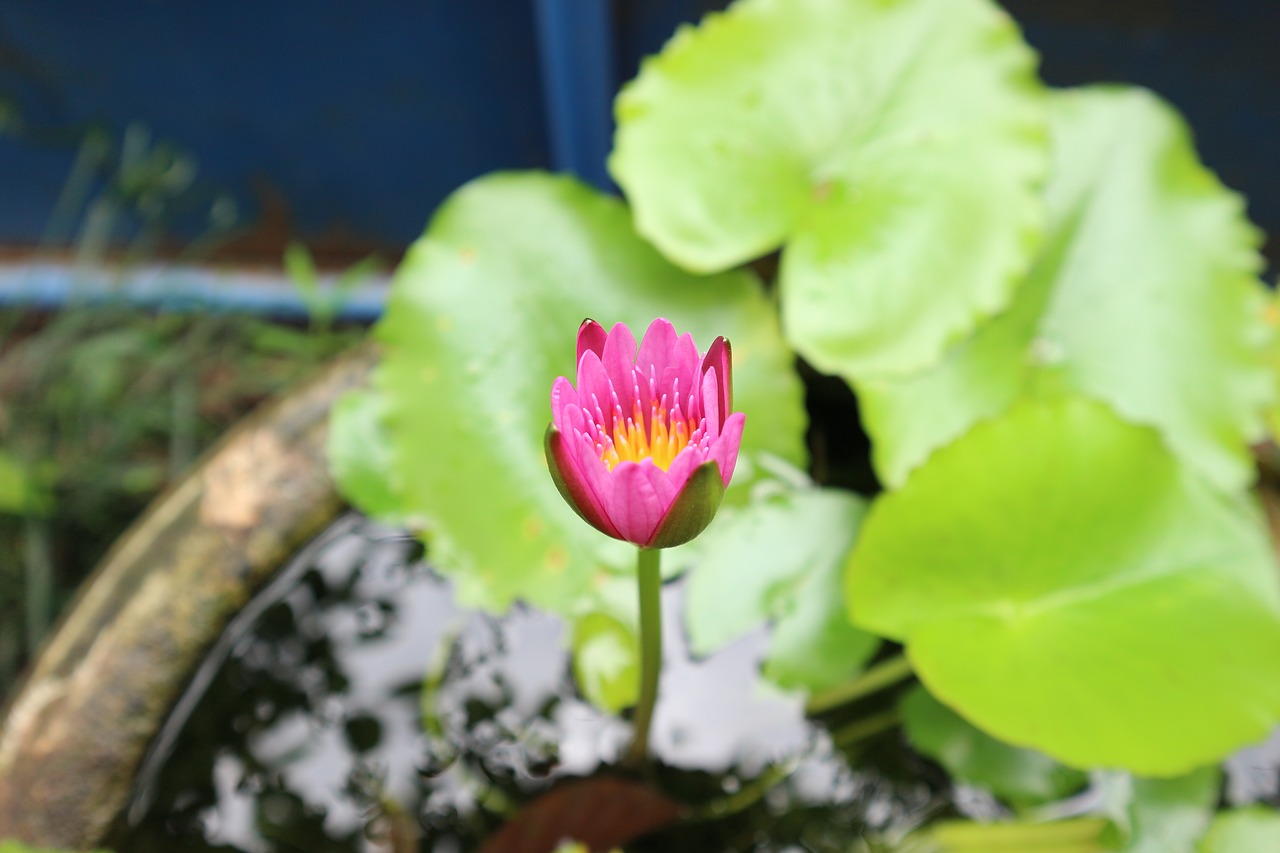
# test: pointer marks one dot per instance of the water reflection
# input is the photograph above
(305, 729)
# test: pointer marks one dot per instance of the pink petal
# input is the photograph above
(720, 356)
(684, 368)
(725, 448)
(658, 344)
(591, 336)
(595, 472)
(584, 498)
(619, 360)
(683, 466)
(657, 351)
(710, 396)
(640, 495)
(562, 393)
(596, 389)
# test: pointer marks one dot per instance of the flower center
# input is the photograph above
(665, 438)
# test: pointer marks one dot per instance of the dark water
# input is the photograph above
(305, 730)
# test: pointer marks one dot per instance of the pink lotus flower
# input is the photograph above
(645, 446)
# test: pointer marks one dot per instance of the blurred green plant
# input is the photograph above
(323, 303)
(19, 847)
(102, 403)
(1050, 313)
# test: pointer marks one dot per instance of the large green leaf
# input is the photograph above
(1077, 835)
(780, 559)
(361, 458)
(1249, 830)
(895, 146)
(1170, 815)
(1064, 583)
(1021, 777)
(1145, 297)
(482, 318)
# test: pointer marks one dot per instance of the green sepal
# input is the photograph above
(693, 509)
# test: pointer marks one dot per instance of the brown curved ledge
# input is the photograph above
(77, 730)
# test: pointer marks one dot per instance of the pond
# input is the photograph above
(306, 729)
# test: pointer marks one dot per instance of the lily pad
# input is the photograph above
(482, 317)
(1020, 777)
(1061, 581)
(1170, 815)
(1248, 830)
(895, 148)
(1145, 297)
(360, 457)
(780, 559)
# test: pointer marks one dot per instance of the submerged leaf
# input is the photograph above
(606, 661)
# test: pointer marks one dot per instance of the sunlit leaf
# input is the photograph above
(1062, 582)
(1145, 297)
(1021, 777)
(1248, 830)
(780, 559)
(481, 319)
(1170, 815)
(1078, 835)
(894, 148)
(360, 457)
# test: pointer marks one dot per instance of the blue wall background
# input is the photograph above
(360, 118)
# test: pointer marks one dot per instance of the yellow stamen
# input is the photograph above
(631, 443)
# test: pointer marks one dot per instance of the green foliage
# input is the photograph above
(1021, 777)
(19, 847)
(886, 153)
(780, 559)
(1049, 311)
(20, 491)
(1167, 815)
(100, 408)
(1248, 830)
(1079, 835)
(359, 452)
(324, 302)
(481, 320)
(1144, 297)
(1048, 569)
(606, 662)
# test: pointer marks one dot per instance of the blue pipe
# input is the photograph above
(50, 285)
(576, 51)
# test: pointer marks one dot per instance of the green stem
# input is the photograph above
(744, 799)
(882, 675)
(867, 727)
(38, 561)
(649, 576)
